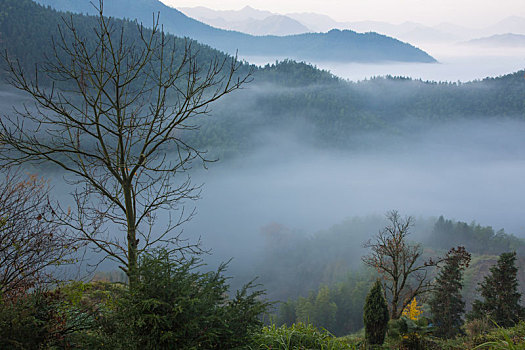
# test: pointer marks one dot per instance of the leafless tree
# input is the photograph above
(114, 120)
(404, 273)
(32, 243)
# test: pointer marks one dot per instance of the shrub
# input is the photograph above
(478, 327)
(410, 334)
(32, 321)
(298, 336)
(173, 306)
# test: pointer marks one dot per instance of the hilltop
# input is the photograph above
(335, 45)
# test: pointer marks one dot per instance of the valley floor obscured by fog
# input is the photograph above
(468, 171)
(455, 63)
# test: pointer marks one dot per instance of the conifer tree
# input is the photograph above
(500, 294)
(446, 304)
(375, 315)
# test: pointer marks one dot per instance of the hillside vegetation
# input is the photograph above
(336, 45)
(289, 94)
(311, 289)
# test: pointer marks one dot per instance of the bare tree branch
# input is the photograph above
(32, 242)
(399, 263)
(114, 121)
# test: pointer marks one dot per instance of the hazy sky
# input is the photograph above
(471, 12)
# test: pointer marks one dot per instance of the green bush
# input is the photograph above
(173, 306)
(477, 327)
(299, 336)
(405, 333)
(32, 321)
(94, 309)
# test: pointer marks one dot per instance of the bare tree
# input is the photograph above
(399, 263)
(32, 243)
(114, 120)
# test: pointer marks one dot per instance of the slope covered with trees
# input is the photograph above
(288, 94)
(322, 269)
(336, 113)
(335, 45)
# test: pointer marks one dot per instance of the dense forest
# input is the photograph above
(335, 112)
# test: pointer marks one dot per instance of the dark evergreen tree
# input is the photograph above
(446, 304)
(375, 315)
(174, 306)
(501, 299)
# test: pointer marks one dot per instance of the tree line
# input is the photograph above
(338, 110)
(407, 273)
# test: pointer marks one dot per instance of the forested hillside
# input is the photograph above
(321, 280)
(335, 45)
(334, 113)
(30, 44)
(288, 93)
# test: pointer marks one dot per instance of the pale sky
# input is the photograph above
(478, 13)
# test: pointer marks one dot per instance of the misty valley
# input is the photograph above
(334, 190)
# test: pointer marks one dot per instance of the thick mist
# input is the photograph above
(465, 170)
(456, 62)
(468, 171)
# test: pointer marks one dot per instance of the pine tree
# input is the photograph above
(375, 315)
(446, 304)
(500, 294)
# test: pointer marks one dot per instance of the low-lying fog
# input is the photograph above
(466, 171)
(456, 63)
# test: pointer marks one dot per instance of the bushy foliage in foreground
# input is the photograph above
(173, 306)
(496, 338)
(299, 336)
(32, 321)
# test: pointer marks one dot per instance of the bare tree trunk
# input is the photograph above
(121, 102)
(399, 264)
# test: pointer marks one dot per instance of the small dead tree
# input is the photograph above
(114, 120)
(399, 263)
(32, 243)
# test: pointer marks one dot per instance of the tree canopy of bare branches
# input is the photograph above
(114, 121)
(31, 241)
(399, 263)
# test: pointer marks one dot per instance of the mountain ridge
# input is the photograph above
(507, 40)
(342, 46)
(407, 31)
(291, 93)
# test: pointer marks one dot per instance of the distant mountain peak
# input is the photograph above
(507, 40)
(342, 46)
